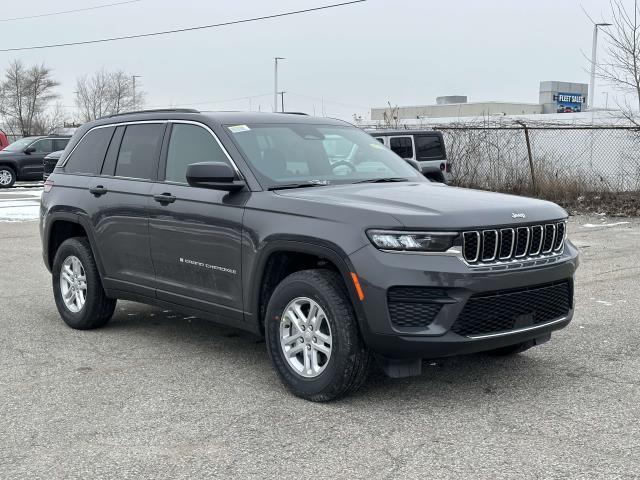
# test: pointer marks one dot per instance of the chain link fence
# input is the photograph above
(545, 161)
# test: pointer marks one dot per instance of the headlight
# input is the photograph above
(412, 241)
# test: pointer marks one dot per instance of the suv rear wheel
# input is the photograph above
(77, 287)
(312, 336)
(7, 177)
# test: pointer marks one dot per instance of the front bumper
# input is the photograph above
(378, 271)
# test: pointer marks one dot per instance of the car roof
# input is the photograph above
(221, 118)
(226, 118)
(375, 132)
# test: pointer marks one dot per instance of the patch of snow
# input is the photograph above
(19, 213)
(608, 304)
(594, 225)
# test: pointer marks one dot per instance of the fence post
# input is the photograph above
(530, 155)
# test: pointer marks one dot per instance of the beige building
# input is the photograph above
(554, 97)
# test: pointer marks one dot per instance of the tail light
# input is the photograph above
(442, 167)
(48, 185)
(448, 168)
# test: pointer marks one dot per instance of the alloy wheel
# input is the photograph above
(5, 177)
(73, 284)
(305, 337)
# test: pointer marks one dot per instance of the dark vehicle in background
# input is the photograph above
(49, 163)
(424, 146)
(304, 230)
(23, 159)
(4, 141)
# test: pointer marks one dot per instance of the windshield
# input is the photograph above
(20, 145)
(286, 154)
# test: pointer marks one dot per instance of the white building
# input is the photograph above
(553, 97)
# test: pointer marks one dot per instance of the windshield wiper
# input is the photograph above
(384, 180)
(297, 185)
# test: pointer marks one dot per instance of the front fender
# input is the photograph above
(300, 244)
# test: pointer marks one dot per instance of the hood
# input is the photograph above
(433, 205)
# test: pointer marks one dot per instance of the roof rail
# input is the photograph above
(158, 110)
(294, 113)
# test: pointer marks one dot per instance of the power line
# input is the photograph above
(65, 12)
(236, 99)
(180, 30)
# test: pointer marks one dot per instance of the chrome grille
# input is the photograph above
(486, 247)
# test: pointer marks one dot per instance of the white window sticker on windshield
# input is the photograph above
(239, 128)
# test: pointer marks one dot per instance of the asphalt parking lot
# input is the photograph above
(159, 395)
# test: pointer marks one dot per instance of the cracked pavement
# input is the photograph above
(156, 394)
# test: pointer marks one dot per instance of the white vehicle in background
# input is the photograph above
(424, 146)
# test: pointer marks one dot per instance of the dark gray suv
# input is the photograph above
(304, 230)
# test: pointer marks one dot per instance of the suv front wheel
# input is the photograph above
(7, 177)
(312, 336)
(77, 288)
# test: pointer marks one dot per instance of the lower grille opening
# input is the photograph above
(506, 310)
(414, 307)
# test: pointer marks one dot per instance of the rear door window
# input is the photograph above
(60, 143)
(43, 146)
(429, 147)
(88, 156)
(139, 151)
(402, 146)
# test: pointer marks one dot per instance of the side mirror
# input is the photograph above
(215, 175)
(29, 150)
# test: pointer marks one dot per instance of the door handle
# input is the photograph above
(98, 190)
(164, 198)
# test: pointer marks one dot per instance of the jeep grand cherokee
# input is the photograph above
(250, 220)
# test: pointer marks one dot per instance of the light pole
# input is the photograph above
(134, 89)
(594, 49)
(282, 101)
(275, 83)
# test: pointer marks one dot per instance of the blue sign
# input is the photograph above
(569, 102)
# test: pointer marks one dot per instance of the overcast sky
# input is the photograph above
(403, 51)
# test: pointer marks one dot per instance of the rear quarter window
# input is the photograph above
(88, 156)
(429, 147)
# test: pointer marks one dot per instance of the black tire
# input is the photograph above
(511, 349)
(4, 170)
(349, 361)
(98, 308)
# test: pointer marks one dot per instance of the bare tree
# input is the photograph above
(390, 116)
(52, 120)
(105, 93)
(25, 94)
(622, 67)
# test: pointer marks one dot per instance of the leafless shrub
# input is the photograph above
(569, 163)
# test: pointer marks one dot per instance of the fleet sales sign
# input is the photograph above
(569, 102)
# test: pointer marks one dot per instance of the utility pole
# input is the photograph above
(275, 83)
(133, 77)
(594, 49)
(282, 100)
